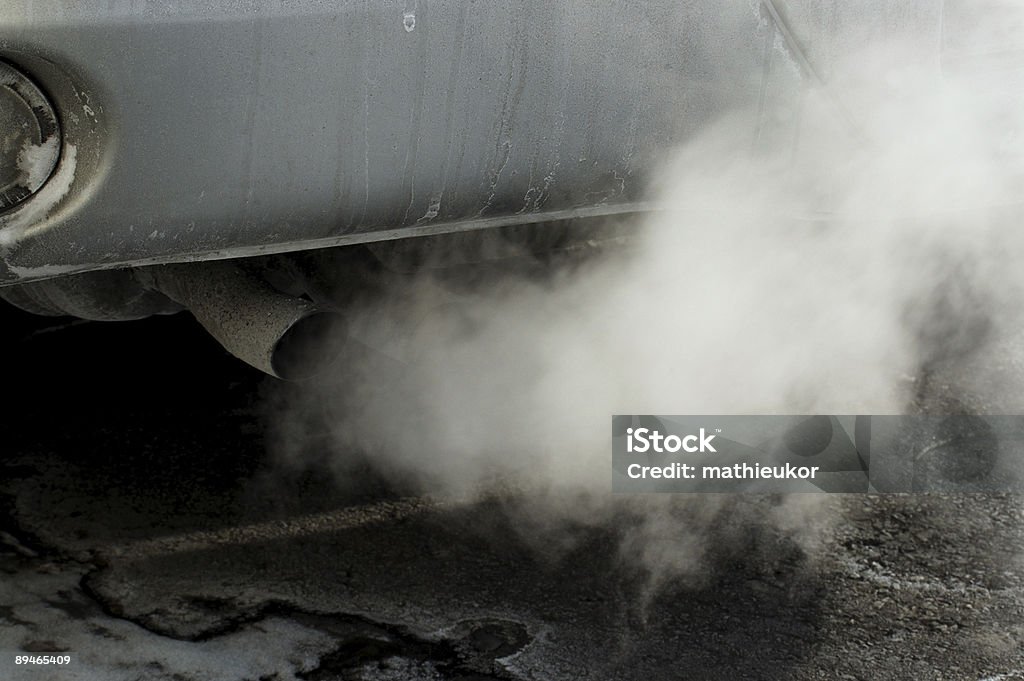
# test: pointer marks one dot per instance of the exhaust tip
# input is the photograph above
(308, 347)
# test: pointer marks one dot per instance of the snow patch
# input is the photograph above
(36, 161)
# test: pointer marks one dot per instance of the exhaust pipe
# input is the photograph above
(279, 334)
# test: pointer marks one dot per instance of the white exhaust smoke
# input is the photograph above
(830, 279)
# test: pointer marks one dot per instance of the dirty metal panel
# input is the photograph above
(225, 128)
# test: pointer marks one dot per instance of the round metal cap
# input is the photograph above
(29, 138)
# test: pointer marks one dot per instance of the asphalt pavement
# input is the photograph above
(148, 532)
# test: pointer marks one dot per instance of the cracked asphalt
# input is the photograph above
(146, 530)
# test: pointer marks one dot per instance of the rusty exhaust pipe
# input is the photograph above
(279, 334)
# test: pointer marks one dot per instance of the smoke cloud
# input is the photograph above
(856, 268)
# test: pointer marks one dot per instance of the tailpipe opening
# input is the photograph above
(302, 351)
